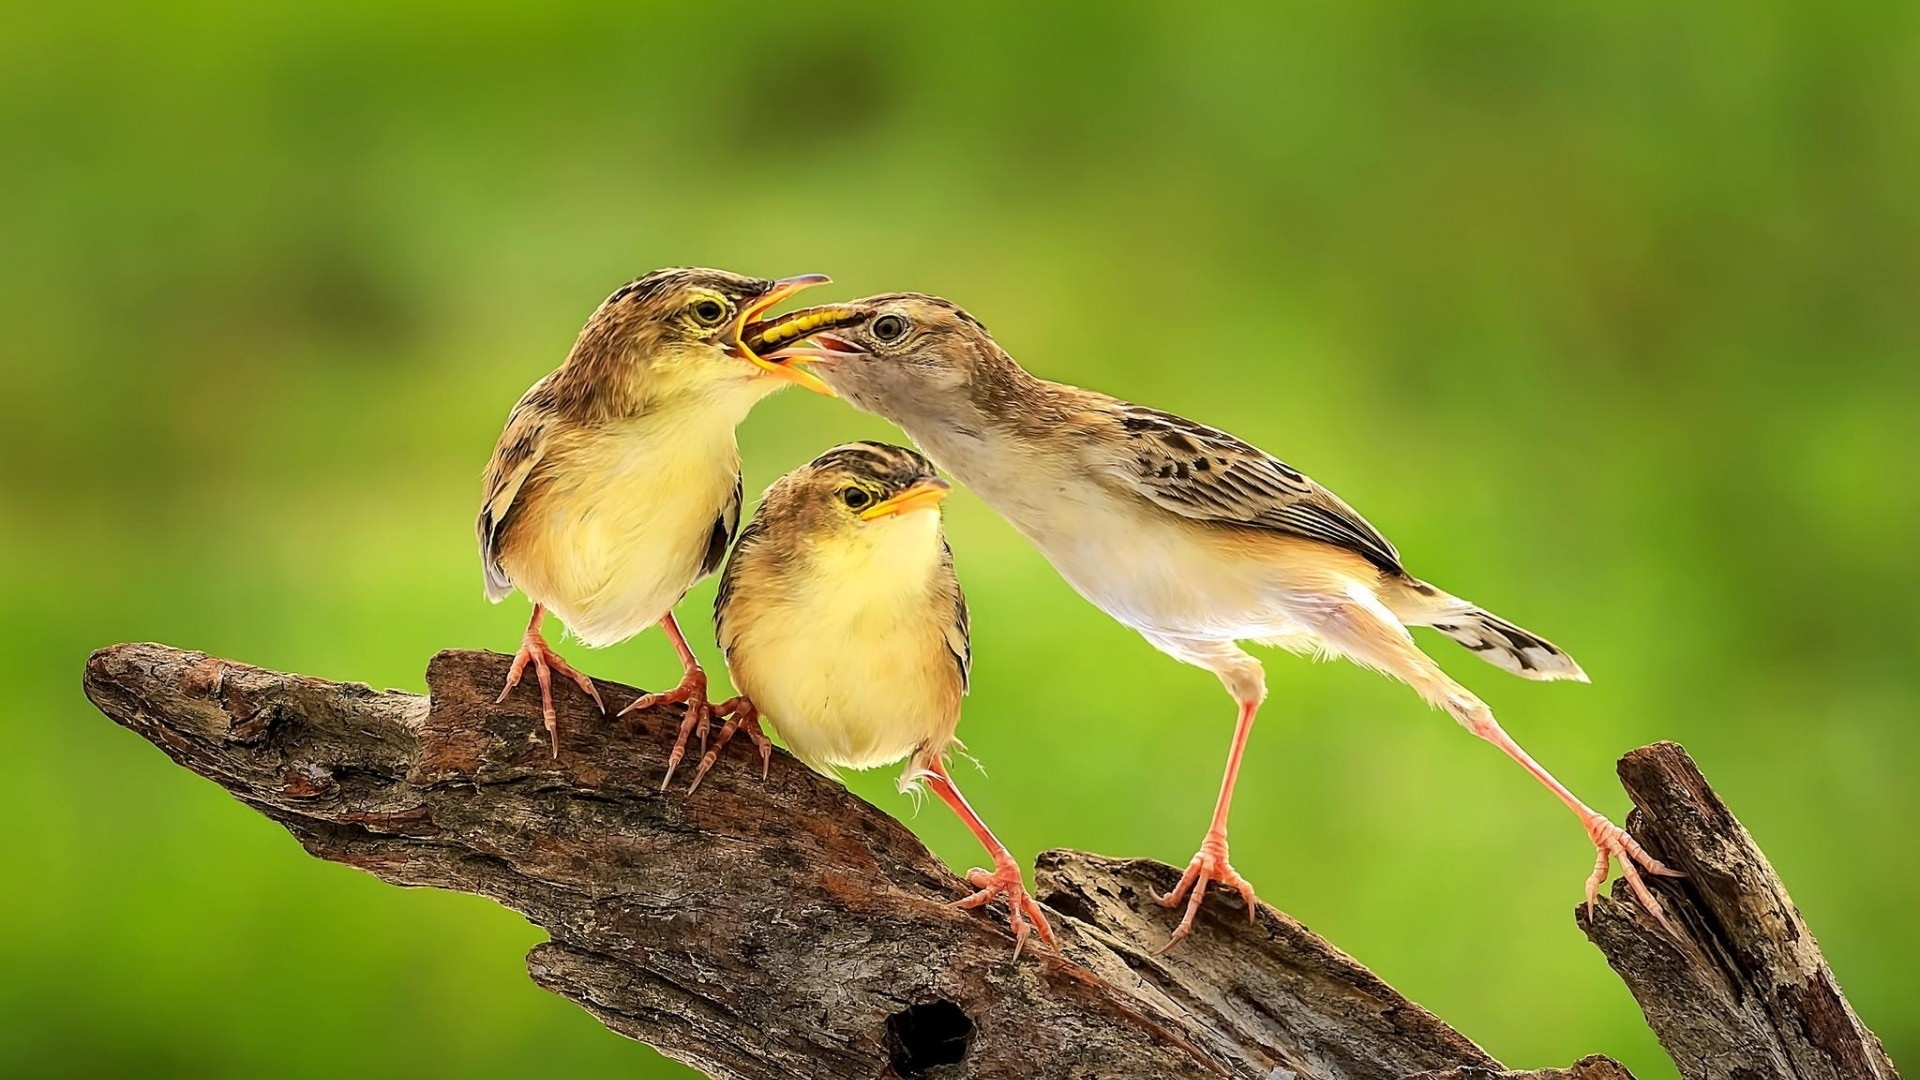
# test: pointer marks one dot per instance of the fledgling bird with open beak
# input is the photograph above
(1187, 534)
(843, 624)
(616, 484)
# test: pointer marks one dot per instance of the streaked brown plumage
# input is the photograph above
(843, 623)
(616, 483)
(1189, 535)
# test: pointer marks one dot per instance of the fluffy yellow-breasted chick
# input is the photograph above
(616, 484)
(843, 623)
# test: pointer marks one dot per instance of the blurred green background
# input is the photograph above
(1610, 316)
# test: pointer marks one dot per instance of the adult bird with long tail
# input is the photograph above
(1190, 536)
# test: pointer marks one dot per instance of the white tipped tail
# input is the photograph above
(1491, 637)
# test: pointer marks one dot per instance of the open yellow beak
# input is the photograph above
(790, 370)
(925, 495)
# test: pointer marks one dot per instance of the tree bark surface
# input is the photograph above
(784, 927)
(1747, 994)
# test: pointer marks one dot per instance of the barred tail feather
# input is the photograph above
(1492, 638)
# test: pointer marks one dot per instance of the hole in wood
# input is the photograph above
(923, 1037)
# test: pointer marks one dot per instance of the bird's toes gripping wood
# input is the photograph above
(1208, 866)
(698, 715)
(1025, 916)
(534, 649)
(1613, 842)
(741, 715)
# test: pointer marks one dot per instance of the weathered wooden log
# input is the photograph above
(1746, 995)
(784, 927)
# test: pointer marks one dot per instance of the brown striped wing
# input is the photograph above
(1206, 474)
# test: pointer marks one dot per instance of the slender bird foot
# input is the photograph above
(741, 716)
(1005, 878)
(692, 693)
(1209, 866)
(545, 661)
(1613, 842)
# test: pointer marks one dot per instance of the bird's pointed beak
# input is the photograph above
(925, 495)
(746, 328)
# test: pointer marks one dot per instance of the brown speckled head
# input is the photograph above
(676, 306)
(849, 499)
(673, 329)
(912, 354)
(853, 485)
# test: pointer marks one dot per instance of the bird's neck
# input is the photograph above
(595, 392)
(893, 558)
(997, 381)
(976, 431)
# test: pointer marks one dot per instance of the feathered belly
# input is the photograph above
(850, 703)
(612, 546)
(1165, 576)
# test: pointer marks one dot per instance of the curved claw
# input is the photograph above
(741, 716)
(1613, 842)
(1007, 880)
(534, 649)
(698, 715)
(1207, 867)
(692, 686)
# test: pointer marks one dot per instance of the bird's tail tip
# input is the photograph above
(1494, 639)
(1509, 647)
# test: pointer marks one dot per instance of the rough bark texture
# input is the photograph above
(1587, 1068)
(786, 928)
(1747, 995)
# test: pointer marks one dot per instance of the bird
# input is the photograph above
(1192, 537)
(616, 483)
(843, 624)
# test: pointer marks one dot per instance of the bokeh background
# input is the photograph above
(1608, 314)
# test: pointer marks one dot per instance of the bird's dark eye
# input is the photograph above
(854, 497)
(709, 312)
(891, 328)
